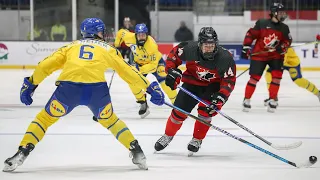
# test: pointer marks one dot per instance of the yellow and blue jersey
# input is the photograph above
(146, 56)
(85, 61)
(291, 59)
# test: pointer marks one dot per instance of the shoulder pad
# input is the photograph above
(223, 59)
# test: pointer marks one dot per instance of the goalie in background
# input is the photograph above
(82, 82)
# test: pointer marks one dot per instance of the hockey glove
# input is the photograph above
(246, 52)
(281, 49)
(157, 96)
(26, 91)
(217, 101)
(173, 78)
(318, 38)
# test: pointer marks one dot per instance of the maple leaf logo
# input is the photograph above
(271, 41)
(204, 74)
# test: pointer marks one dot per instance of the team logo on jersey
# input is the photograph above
(56, 108)
(293, 72)
(161, 71)
(204, 74)
(271, 41)
(3, 51)
(105, 112)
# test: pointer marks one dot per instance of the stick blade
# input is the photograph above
(287, 146)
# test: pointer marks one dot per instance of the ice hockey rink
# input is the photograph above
(78, 148)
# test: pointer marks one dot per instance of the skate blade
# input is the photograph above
(8, 168)
(246, 109)
(145, 114)
(190, 153)
(143, 166)
(271, 110)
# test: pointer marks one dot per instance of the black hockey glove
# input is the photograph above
(173, 78)
(281, 49)
(217, 101)
(246, 52)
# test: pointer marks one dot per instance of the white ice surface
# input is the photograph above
(78, 148)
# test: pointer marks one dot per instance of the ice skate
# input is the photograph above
(17, 160)
(163, 142)
(266, 101)
(194, 146)
(144, 109)
(246, 105)
(137, 155)
(272, 105)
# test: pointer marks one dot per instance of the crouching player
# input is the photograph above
(82, 82)
(148, 60)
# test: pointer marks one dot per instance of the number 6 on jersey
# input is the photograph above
(84, 53)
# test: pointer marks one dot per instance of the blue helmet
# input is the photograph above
(90, 27)
(141, 28)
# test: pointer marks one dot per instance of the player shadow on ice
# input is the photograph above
(79, 169)
(233, 160)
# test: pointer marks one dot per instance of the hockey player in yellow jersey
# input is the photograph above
(146, 57)
(82, 82)
(292, 64)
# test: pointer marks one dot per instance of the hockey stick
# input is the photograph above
(312, 159)
(111, 79)
(275, 146)
(93, 117)
(261, 52)
(243, 72)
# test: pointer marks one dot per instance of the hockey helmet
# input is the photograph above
(141, 29)
(208, 42)
(90, 28)
(277, 10)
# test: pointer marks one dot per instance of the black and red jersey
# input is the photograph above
(268, 36)
(202, 72)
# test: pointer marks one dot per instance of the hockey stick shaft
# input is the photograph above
(111, 79)
(232, 136)
(243, 72)
(224, 115)
(278, 147)
(262, 52)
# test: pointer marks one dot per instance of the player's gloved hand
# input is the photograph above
(173, 78)
(26, 91)
(281, 49)
(157, 96)
(318, 38)
(246, 52)
(217, 101)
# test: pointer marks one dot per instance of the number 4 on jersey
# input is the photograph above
(229, 73)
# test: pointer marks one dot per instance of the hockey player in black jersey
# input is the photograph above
(210, 74)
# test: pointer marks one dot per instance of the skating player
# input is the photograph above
(292, 65)
(127, 27)
(82, 82)
(270, 35)
(147, 59)
(210, 74)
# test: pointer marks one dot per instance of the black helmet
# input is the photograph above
(208, 35)
(275, 8)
